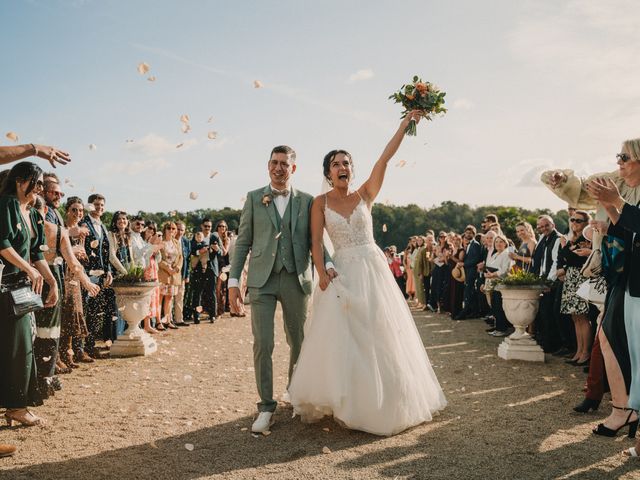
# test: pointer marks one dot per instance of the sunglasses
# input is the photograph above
(623, 157)
(577, 220)
(206, 226)
(57, 194)
(222, 226)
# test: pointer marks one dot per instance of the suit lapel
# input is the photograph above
(271, 208)
(295, 209)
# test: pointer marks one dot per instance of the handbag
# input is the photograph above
(592, 267)
(18, 296)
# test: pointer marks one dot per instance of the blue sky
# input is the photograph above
(531, 84)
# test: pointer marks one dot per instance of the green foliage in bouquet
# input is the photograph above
(135, 274)
(522, 278)
(420, 95)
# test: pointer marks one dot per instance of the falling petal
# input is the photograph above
(199, 309)
(267, 433)
(189, 446)
(46, 359)
(92, 190)
(244, 429)
(212, 135)
(152, 444)
(257, 84)
(152, 78)
(71, 185)
(187, 378)
(96, 273)
(58, 261)
(73, 283)
(179, 145)
(213, 173)
(13, 136)
(384, 228)
(143, 68)
(172, 213)
(401, 163)
(278, 235)
(210, 120)
(89, 207)
(121, 309)
(184, 118)
(130, 140)
(326, 450)
(193, 195)
(325, 429)
(44, 248)
(92, 146)
(94, 244)
(67, 181)
(186, 128)
(135, 305)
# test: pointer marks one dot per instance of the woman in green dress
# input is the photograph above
(21, 239)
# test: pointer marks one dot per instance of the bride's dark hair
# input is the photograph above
(328, 158)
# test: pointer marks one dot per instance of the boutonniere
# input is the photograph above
(266, 199)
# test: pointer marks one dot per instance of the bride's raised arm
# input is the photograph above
(372, 186)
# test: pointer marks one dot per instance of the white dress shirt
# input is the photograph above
(140, 250)
(97, 225)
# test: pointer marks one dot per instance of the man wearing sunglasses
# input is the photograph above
(204, 276)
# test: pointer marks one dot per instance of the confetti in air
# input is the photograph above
(401, 163)
(152, 78)
(257, 84)
(93, 146)
(13, 136)
(189, 446)
(44, 248)
(210, 120)
(143, 68)
(384, 228)
(212, 135)
(213, 173)
(193, 195)
(94, 244)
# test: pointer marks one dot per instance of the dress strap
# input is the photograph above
(325, 201)
(358, 192)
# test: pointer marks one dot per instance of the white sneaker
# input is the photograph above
(263, 422)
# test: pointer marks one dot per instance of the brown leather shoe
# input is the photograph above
(61, 368)
(84, 357)
(69, 361)
(6, 450)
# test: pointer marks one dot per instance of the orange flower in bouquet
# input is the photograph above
(420, 95)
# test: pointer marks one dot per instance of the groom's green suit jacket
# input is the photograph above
(259, 233)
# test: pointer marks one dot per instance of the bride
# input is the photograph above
(362, 360)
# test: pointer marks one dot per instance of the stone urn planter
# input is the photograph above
(520, 304)
(133, 301)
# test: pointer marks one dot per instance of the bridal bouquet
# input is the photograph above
(420, 95)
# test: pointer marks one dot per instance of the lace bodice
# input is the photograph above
(349, 232)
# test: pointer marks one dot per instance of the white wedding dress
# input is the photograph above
(362, 359)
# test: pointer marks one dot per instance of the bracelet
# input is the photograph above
(35, 150)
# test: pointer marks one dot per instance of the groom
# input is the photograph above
(275, 228)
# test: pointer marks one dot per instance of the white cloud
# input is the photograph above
(153, 145)
(363, 74)
(135, 167)
(462, 104)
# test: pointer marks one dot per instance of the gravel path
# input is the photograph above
(184, 413)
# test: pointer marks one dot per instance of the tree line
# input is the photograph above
(392, 224)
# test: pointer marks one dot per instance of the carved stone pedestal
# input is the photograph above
(133, 301)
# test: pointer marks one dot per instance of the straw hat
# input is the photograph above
(458, 274)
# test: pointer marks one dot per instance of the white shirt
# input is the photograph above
(140, 250)
(501, 261)
(281, 202)
(553, 274)
(97, 225)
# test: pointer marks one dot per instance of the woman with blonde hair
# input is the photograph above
(169, 272)
(523, 256)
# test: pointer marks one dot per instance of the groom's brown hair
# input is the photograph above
(290, 152)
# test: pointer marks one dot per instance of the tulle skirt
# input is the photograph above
(362, 359)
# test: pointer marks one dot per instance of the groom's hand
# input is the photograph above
(234, 297)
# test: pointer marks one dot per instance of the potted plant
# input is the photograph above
(521, 291)
(133, 299)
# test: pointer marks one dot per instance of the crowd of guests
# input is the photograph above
(61, 248)
(589, 312)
